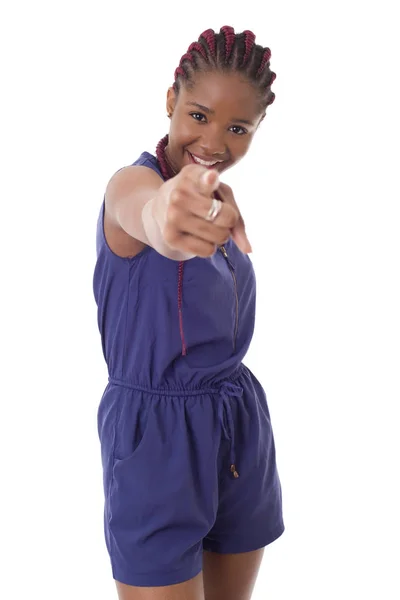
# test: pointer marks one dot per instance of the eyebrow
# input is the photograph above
(212, 112)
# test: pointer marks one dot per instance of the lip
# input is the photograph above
(214, 166)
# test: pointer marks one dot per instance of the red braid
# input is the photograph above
(209, 37)
(196, 47)
(229, 34)
(167, 173)
(249, 42)
(265, 59)
(214, 51)
(187, 56)
(160, 153)
(179, 71)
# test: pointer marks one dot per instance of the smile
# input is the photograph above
(204, 163)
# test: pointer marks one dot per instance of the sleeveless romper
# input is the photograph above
(185, 432)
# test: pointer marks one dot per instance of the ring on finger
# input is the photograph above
(215, 209)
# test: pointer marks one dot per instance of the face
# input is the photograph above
(213, 122)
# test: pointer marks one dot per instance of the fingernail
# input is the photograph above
(206, 177)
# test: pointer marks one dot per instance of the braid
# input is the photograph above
(209, 37)
(160, 153)
(167, 173)
(229, 35)
(249, 42)
(198, 48)
(264, 60)
(228, 51)
(225, 51)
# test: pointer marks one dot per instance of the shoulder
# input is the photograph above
(145, 170)
(132, 179)
(127, 179)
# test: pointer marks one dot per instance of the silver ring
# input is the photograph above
(214, 210)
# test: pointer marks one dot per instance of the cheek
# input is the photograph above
(241, 146)
(181, 131)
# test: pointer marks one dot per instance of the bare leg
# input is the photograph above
(189, 590)
(230, 576)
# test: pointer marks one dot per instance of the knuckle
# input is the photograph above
(188, 171)
(175, 196)
(208, 250)
(226, 188)
(231, 216)
(202, 248)
(169, 235)
(184, 178)
(173, 213)
(234, 221)
(224, 236)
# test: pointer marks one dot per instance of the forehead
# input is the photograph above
(230, 93)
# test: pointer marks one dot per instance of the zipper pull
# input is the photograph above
(234, 472)
(225, 254)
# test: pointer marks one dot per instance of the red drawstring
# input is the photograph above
(180, 285)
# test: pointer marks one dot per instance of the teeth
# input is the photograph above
(205, 163)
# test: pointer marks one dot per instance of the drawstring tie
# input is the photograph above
(228, 391)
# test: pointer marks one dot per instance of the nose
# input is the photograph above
(214, 144)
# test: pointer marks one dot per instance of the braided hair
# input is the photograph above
(225, 52)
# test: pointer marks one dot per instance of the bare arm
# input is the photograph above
(130, 205)
(171, 216)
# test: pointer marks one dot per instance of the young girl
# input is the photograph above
(192, 492)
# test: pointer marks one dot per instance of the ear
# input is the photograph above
(171, 101)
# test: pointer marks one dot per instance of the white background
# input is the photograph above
(84, 87)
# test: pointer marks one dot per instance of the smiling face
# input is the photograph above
(213, 121)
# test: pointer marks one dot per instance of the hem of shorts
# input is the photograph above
(154, 578)
(239, 545)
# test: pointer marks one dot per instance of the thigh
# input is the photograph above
(230, 576)
(188, 590)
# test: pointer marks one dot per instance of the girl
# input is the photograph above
(192, 492)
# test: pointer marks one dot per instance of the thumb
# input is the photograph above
(209, 182)
(239, 236)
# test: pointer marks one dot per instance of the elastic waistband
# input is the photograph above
(179, 391)
(225, 389)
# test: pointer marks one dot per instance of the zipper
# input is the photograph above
(232, 270)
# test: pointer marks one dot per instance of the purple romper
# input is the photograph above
(187, 446)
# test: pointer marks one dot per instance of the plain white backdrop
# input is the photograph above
(84, 87)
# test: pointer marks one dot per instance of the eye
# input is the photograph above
(238, 130)
(198, 117)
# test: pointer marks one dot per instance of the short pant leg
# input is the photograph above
(160, 456)
(250, 507)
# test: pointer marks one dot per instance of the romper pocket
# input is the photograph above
(132, 425)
